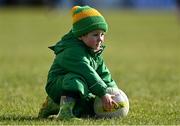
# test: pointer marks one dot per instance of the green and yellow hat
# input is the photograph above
(87, 19)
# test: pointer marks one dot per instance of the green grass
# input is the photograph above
(142, 53)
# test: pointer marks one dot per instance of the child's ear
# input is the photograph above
(80, 38)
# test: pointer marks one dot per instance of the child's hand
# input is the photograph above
(108, 103)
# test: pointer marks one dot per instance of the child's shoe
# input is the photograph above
(48, 108)
(66, 109)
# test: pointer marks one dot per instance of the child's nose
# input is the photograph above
(100, 38)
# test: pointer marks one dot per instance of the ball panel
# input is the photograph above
(120, 111)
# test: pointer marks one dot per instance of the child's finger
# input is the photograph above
(115, 104)
(113, 96)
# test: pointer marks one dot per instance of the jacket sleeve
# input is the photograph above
(77, 62)
(105, 74)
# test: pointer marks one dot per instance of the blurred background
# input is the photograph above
(140, 4)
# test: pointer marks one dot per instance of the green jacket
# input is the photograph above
(74, 57)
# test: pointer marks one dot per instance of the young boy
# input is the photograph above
(78, 72)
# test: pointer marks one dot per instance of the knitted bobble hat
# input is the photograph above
(87, 19)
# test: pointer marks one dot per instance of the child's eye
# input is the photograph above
(102, 34)
(95, 34)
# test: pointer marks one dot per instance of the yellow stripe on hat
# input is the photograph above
(74, 8)
(84, 14)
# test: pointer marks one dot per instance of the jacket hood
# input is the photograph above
(69, 40)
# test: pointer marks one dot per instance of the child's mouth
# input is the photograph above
(98, 44)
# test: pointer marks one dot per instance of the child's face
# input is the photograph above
(93, 39)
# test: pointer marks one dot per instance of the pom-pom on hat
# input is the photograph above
(87, 19)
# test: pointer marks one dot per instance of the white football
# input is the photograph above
(120, 111)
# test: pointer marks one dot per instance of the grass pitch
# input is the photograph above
(142, 54)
